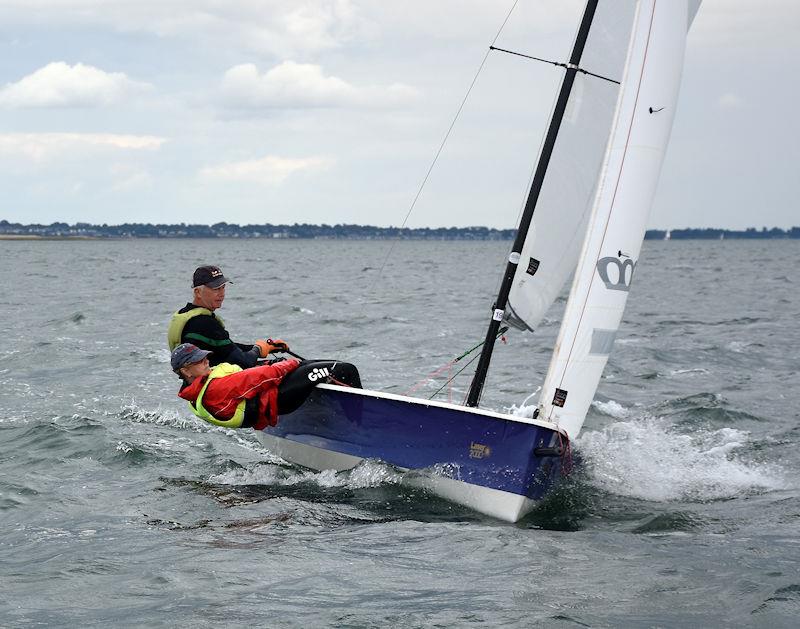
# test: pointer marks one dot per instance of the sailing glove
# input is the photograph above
(278, 345)
(265, 348)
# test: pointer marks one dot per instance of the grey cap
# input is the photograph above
(186, 354)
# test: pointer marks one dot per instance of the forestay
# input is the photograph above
(622, 201)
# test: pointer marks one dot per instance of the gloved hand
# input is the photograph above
(265, 348)
(278, 345)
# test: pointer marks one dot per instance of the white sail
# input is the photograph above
(553, 243)
(622, 203)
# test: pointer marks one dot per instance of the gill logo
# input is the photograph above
(318, 374)
(624, 272)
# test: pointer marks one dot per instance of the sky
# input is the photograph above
(331, 111)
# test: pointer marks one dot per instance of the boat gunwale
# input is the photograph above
(446, 405)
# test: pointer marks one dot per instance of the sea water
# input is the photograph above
(119, 508)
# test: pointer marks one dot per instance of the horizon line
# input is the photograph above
(84, 224)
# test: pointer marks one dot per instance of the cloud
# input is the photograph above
(39, 147)
(730, 101)
(129, 177)
(320, 26)
(271, 170)
(266, 26)
(61, 85)
(293, 84)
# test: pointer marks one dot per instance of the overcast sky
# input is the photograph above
(330, 111)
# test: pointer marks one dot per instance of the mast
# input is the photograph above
(476, 388)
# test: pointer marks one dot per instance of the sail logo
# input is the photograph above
(318, 374)
(615, 273)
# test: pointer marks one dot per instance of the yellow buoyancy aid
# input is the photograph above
(221, 370)
(179, 320)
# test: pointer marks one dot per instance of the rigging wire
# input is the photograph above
(449, 364)
(444, 141)
(453, 377)
(532, 174)
(500, 334)
(556, 63)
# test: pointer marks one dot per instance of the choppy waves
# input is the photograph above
(366, 474)
(121, 508)
(646, 456)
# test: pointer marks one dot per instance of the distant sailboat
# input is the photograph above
(585, 216)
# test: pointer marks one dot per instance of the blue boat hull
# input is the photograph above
(484, 460)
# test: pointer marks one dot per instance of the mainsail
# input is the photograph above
(622, 201)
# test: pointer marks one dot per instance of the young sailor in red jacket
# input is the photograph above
(219, 395)
(227, 395)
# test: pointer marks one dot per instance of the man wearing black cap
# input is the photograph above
(196, 323)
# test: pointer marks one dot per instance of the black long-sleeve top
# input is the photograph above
(207, 333)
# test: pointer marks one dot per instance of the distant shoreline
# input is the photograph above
(37, 237)
(127, 231)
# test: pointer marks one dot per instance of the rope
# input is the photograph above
(431, 375)
(339, 382)
(455, 375)
(448, 365)
(566, 456)
(441, 146)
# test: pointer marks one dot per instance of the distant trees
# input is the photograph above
(713, 233)
(338, 231)
(230, 230)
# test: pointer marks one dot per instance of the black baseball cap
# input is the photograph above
(210, 276)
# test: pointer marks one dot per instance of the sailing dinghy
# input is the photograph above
(586, 215)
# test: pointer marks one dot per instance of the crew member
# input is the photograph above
(197, 323)
(227, 395)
